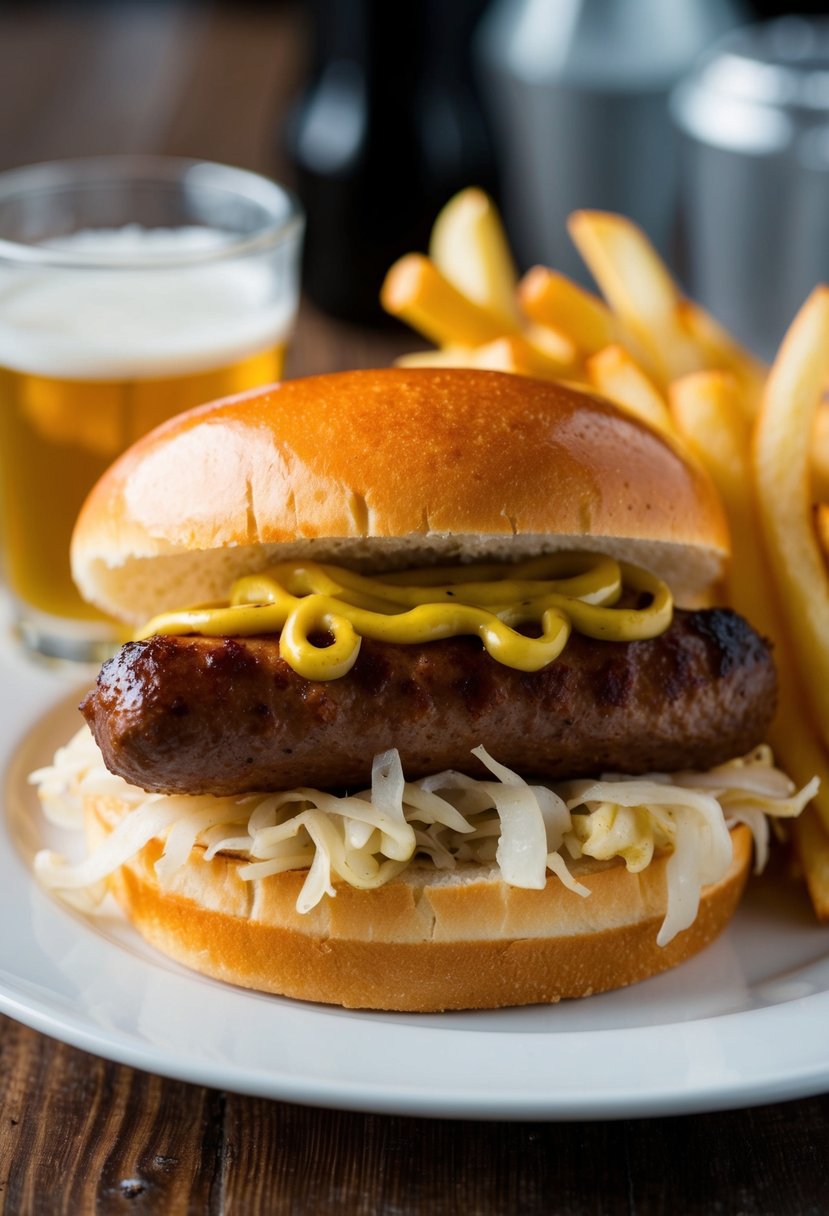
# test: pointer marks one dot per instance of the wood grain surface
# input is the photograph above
(78, 1134)
(81, 1135)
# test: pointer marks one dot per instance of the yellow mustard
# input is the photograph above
(555, 594)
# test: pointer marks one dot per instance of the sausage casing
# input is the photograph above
(228, 715)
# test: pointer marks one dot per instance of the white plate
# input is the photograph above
(740, 1024)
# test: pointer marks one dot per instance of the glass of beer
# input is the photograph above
(131, 288)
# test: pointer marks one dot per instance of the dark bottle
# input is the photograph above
(387, 130)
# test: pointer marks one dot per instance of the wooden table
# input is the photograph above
(79, 1134)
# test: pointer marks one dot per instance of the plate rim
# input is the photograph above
(800, 1072)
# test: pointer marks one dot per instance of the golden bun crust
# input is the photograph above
(383, 469)
(425, 942)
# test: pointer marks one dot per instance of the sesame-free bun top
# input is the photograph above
(387, 469)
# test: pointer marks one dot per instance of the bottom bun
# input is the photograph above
(426, 942)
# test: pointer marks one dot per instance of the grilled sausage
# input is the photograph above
(228, 715)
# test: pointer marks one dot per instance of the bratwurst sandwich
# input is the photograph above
(415, 718)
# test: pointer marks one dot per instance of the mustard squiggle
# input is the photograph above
(554, 594)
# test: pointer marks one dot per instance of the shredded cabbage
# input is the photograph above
(368, 838)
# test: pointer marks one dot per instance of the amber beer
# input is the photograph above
(57, 437)
(92, 359)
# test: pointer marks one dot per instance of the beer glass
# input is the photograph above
(131, 288)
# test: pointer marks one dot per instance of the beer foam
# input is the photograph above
(146, 321)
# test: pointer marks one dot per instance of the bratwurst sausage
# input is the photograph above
(228, 715)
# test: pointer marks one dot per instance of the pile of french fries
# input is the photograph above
(762, 434)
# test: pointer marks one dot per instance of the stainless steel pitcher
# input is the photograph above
(754, 119)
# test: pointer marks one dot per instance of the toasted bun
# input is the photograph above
(384, 469)
(425, 942)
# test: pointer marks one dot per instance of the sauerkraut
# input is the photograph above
(366, 839)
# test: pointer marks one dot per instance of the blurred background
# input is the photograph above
(377, 112)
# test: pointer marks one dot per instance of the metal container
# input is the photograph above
(754, 117)
(577, 92)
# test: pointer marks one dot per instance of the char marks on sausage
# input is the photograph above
(228, 715)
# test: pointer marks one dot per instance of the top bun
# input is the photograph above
(386, 469)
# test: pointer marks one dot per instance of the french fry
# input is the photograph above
(719, 351)
(801, 753)
(467, 301)
(615, 374)
(554, 301)
(415, 291)
(783, 487)
(673, 335)
(707, 416)
(552, 346)
(715, 430)
(508, 354)
(706, 411)
(469, 246)
(811, 840)
(639, 289)
(820, 465)
(442, 356)
(765, 444)
(517, 354)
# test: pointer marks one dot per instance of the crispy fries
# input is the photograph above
(447, 356)
(764, 438)
(639, 289)
(417, 292)
(510, 354)
(553, 301)
(820, 460)
(552, 346)
(469, 246)
(706, 410)
(618, 376)
(718, 350)
(812, 844)
(673, 335)
(783, 485)
(464, 298)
